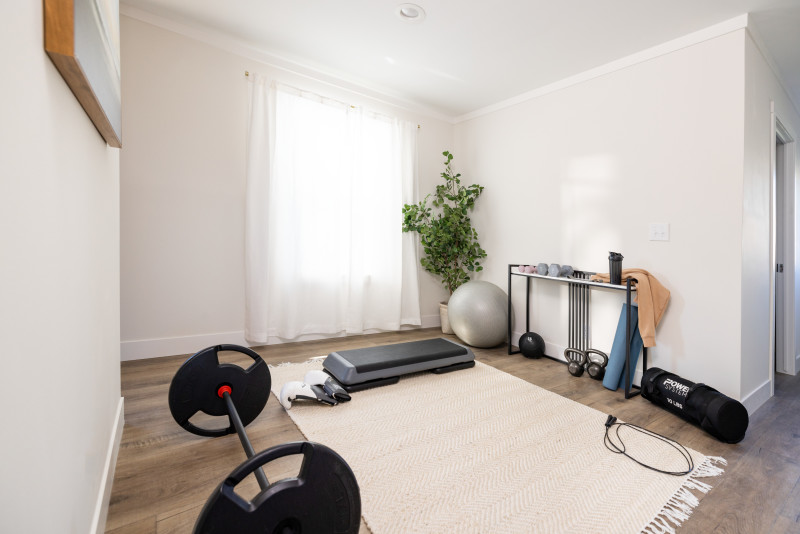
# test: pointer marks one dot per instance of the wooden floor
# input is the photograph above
(165, 474)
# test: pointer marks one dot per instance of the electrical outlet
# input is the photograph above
(659, 232)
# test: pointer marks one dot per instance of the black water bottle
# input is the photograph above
(615, 267)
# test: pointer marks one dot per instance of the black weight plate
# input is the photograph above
(323, 499)
(194, 388)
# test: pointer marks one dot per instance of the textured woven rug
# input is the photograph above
(482, 451)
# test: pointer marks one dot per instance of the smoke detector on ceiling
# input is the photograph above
(410, 12)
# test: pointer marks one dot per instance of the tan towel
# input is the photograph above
(651, 296)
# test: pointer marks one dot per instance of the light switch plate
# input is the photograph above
(659, 232)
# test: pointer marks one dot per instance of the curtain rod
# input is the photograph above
(247, 73)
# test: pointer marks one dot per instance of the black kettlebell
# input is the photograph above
(596, 362)
(576, 359)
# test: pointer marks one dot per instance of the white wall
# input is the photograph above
(579, 172)
(183, 186)
(762, 88)
(59, 289)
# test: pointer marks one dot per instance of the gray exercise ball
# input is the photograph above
(478, 313)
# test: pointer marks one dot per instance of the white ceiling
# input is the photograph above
(467, 54)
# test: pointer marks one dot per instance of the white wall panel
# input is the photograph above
(576, 173)
(59, 292)
(183, 186)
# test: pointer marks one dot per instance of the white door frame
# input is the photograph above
(790, 311)
(779, 134)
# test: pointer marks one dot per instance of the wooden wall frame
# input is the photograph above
(82, 39)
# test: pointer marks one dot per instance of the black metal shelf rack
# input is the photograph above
(578, 311)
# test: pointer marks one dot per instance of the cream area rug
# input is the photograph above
(481, 451)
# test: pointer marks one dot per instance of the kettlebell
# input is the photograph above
(576, 359)
(596, 362)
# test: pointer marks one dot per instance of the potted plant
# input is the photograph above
(449, 241)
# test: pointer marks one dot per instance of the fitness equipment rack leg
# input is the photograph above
(588, 285)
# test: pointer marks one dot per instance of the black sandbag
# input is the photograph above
(721, 416)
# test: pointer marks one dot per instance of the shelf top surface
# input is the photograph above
(581, 281)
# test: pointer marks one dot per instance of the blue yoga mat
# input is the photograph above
(615, 370)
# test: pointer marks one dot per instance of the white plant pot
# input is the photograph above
(443, 316)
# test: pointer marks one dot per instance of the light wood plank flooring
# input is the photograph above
(165, 474)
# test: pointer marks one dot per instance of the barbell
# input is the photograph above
(323, 498)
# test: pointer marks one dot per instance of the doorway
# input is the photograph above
(780, 257)
(783, 243)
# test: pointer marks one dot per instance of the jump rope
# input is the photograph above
(611, 422)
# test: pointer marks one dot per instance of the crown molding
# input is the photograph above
(247, 50)
(764, 51)
(717, 30)
(363, 89)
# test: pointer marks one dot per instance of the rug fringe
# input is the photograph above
(682, 504)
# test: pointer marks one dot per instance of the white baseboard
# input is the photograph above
(155, 348)
(553, 350)
(757, 397)
(550, 349)
(557, 351)
(171, 346)
(104, 495)
(429, 321)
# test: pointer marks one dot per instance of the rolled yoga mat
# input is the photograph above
(615, 370)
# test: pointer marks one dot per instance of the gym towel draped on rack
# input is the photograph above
(651, 297)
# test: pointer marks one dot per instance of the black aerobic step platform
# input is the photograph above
(378, 366)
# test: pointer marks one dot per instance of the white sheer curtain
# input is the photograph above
(326, 182)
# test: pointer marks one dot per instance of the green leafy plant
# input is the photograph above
(445, 229)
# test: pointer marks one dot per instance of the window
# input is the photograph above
(336, 258)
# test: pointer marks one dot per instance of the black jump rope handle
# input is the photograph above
(610, 421)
